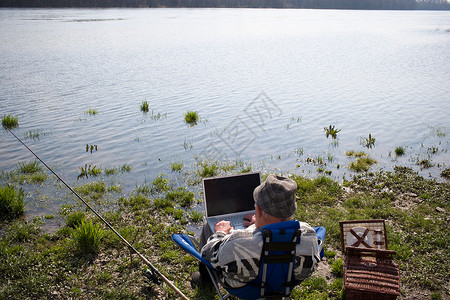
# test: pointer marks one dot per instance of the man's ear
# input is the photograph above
(258, 211)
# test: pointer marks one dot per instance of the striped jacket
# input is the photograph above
(236, 255)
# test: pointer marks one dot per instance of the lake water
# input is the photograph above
(265, 83)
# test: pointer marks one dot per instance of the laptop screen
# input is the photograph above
(230, 194)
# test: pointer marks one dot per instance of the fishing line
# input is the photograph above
(145, 260)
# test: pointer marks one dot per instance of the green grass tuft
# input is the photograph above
(94, 190)
(208, 170)
(368, 142)
(337, 268)
(90, 170)
(91, 112)
(74, 219)
(352, 153)
(30, 167)
(87, 238)
(446, 173)
(182, 196)
(331, 130)
(399, 151)
(191, 117)
(10, 122)
(145, 106)
(11, 202)
(195, 216)
(362, 164)
(160, 184)
(176, 166)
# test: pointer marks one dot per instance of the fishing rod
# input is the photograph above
(145, 260)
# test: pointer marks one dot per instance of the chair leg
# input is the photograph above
(214, 281)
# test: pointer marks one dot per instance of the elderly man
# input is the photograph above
(236, 253)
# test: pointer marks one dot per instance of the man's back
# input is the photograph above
(237, 254)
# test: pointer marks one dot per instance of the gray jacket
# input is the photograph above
(236, 255)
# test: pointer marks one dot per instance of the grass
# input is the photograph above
(331, 131)
(10, 122)
(368, 142)
(191, 118)
(28, 172)
(425, 163)
(95, 190)
(399, 151)
(182, 196)
(352, 153)
(208, 170)
(87, 238)
(160, 184)
(91, 112)
(195, 216)
(90, 170)
(446, 173)
(29, 167)
(92, 148)
(11, 202)
(125, 168)
(176, 166)
(74, 219)
(145, 106)
(34, 264)
(362, 164)
(34, 134)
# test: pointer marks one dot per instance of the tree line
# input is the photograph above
(326, 4)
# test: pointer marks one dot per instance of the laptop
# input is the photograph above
(230, 198)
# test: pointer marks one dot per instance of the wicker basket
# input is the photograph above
(369, 272)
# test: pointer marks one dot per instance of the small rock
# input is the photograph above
(410, 195)
(346, 189)
(440, 209)
(386, 190)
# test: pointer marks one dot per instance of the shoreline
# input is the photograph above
(416, 211)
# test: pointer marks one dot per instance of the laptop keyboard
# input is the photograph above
(235, 221)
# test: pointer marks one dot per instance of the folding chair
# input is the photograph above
(276, 272)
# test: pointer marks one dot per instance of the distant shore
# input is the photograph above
(305, 4)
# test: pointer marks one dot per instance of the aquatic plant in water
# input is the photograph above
(176, 166)
(331, 130)
(399, 151)
(145, 106)
(10, 122)
(89, 170)
(191, 118)
(368, 142)
(11, 202)
(355, 154)
(34, 134)
(424, 163)
(29, 167)
(91, 112)
(362, 164)
(208, 170)
(91, 147)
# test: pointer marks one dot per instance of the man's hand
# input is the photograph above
(224, 226)
(249, 219)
